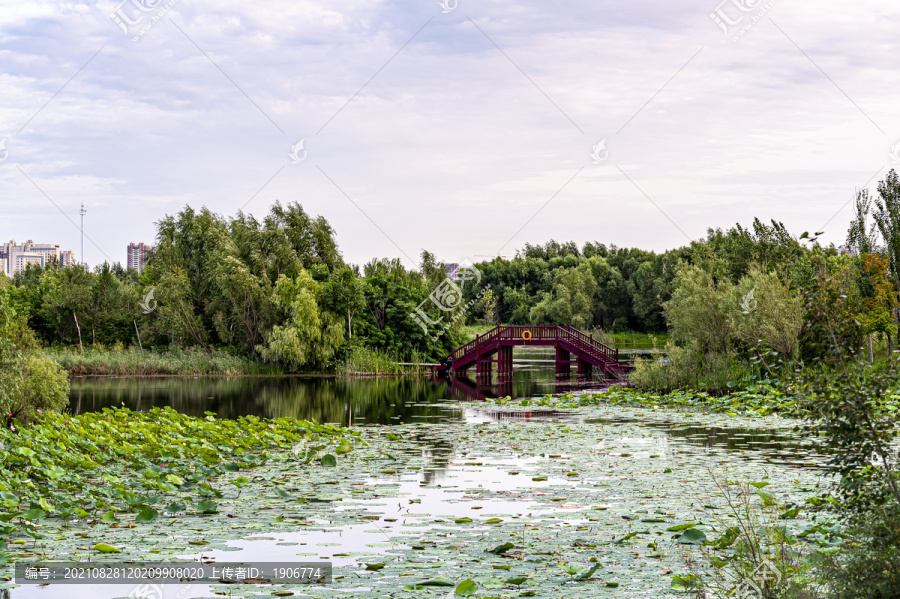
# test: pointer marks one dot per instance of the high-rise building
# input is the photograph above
(138, 256)
(452, 270)
(15, 258)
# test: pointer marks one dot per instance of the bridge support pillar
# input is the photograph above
(505, 363)
(585, 369)
(483, 372)
(563, 367)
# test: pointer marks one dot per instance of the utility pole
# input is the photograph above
(83, 212)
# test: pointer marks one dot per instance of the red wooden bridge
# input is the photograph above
(572, 347)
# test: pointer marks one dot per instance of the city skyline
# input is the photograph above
(463, 129)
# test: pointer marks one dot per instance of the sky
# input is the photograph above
(464, 128)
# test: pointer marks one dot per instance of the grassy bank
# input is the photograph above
(133, 362)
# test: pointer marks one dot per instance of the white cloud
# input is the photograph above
(449, 147)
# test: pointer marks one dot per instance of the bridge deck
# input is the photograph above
(569, 342)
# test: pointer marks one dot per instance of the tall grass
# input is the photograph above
(367, 360)
(133, 362)
(633, 340)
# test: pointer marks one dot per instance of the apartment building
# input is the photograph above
(15, 258)
(138, 256)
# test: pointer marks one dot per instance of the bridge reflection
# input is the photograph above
(463, 388)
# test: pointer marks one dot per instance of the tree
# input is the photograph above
(887, 220)
(767, 312)
(487, 306)
(700, 310)
(309, 336)
(862, 235)
(344, 293)
(880, 303)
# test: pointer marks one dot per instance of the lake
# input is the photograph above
(451, 478)
(325, 399)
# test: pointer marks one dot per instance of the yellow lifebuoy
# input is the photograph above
(526, 335)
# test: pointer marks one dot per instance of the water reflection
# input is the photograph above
(324, 399)
(340, 400)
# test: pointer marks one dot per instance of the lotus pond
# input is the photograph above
(577, 498)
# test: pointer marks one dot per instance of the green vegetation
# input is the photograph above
(118, 463)
(275, 292)
(758, 326)
(131, 361)
(364, 360)
(29, 381)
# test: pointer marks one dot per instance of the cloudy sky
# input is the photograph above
(465, 128)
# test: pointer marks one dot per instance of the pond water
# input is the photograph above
(560, 483)
(325, 399)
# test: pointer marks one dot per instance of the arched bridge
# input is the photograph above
(572, 346)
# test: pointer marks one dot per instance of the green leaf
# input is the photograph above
(108, 518)
(231, 467)
(176, 507)
(148, 514)
(374, 567)
(34, 514)
(344, 447)
(678, 527)
(686, 583)
(437, 582)
(208, 507)
(328, 460)
(282, 493)
(175, 480)
(692, 536)
(760, 485)
(466, 588)
(589, 572)
(104, 548)
(500, 549)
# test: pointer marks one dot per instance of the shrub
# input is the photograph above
(688, 367)
(28, 380)
(44, 386)
(870, 559)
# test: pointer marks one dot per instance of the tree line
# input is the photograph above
(278, 290)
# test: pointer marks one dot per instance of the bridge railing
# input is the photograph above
(582, 341)
(538, 333)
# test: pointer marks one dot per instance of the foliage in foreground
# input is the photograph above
(756, 552)
(852, 414)
(122, 465)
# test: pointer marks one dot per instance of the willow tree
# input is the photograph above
(309, 336)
